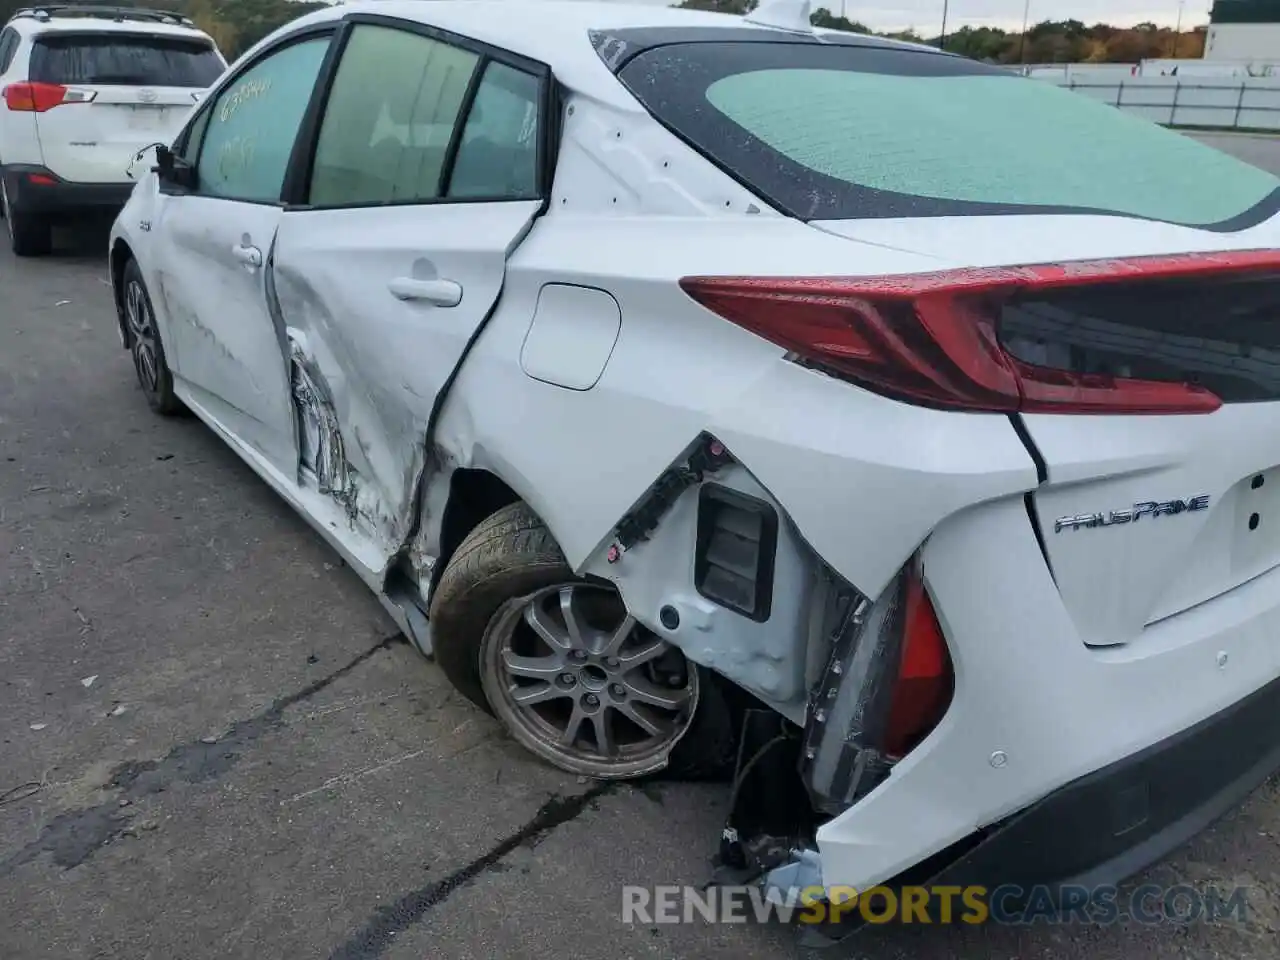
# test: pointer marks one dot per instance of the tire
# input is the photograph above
(143, 339)
(507, 558)
(28, 236)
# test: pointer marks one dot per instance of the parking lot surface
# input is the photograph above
(213, 744)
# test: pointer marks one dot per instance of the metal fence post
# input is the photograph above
(1173, 107)
(1235, 121)
(1119, 94)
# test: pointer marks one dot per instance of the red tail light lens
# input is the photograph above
(933, 338)
(925, 681)
(34, 97)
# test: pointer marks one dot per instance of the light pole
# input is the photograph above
(1177, 30)
(942, 40)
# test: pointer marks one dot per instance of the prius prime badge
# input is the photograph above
(1148, 508)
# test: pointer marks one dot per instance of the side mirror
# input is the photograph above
(173, 170)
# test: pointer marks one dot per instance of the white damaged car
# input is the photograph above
(709, 393)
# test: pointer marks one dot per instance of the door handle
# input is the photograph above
(442, 293)
(249, 256)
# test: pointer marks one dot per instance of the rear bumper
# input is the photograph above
(33, 189)
(1058, 763)
(1112, 824)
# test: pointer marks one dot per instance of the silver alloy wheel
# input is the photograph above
(584, 686)
(142, 329)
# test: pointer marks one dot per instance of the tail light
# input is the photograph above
(933, 339)
(923, 687)
(38, 97)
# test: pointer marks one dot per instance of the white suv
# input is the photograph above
(84, 89)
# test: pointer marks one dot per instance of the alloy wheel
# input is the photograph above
(583, 685)
(142, 330)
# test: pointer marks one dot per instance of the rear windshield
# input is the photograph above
(125, 60)
(828, 132)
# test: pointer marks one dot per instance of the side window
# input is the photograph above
(252, 125)
(8, 47)
(498, 153)
(391, 113)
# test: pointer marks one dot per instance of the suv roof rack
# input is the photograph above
(46, 12)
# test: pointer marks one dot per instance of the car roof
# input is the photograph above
(556, 32)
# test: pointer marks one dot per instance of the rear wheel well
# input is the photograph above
(474, 495)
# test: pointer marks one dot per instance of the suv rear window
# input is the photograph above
(124, 60)
(827, 132)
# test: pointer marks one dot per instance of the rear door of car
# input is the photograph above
(428, 170)
(109, 93)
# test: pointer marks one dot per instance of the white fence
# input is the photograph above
(1251, 103)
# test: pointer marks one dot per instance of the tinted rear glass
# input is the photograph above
(124, 60)
(845, 132)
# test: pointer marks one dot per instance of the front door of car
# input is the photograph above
(426, 174)
(213, 245)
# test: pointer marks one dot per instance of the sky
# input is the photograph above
(925, 16)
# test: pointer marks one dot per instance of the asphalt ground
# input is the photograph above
(213, 744)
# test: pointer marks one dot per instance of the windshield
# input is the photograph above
(845, 132)
(124, 60)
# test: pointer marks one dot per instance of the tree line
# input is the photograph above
(236, 25)
(1050, 41)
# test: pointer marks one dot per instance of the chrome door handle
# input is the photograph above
(442, 293)
(249, 256)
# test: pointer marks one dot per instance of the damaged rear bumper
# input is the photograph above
(1107, 826)
(1055, 764)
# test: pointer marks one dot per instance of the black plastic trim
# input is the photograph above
(618, 47)
(468, 103)
(62, 197)
(1020, 428)
(297, 176)
(766, 558)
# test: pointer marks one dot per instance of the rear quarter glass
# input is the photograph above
(834, 132)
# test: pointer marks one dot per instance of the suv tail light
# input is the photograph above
(933, 339)
(38, 97)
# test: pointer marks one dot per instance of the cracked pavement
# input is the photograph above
(213, 744)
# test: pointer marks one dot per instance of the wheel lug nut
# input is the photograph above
(593, 700)
(618, 690)
(610, 662)
(579, 655)
(568, 679)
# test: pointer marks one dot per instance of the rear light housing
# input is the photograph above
(933, 339)
(887, 685)
(26, 97)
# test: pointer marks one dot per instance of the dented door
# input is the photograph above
(379, 305)
(427, 172)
